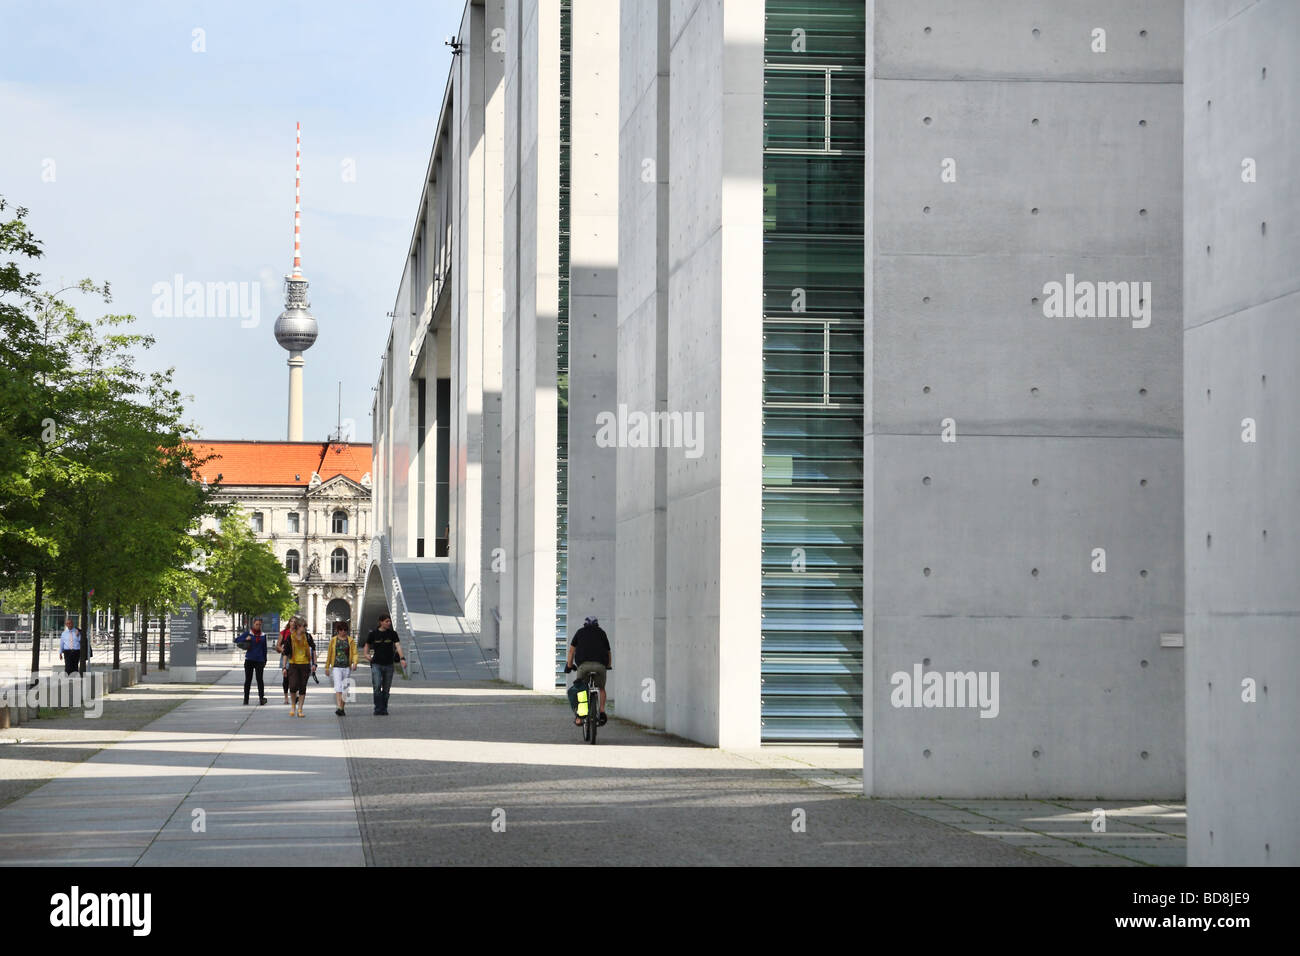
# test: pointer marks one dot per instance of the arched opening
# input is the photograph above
(338, 610)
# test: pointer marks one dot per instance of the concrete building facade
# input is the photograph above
(436, 412)
(841, 367)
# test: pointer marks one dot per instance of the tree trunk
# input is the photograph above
(86, 628)
(162, 639)
(117, 636)
(38, 613)
(144, 640)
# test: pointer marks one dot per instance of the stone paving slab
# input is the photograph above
(273, 790)
(1136, 833)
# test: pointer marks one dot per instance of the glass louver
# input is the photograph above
(813, 121)
(562, 359)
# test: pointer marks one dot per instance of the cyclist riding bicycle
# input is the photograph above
(590, 655)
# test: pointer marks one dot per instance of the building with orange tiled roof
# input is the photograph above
(312, 502)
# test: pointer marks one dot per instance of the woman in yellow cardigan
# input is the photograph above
(341, 661)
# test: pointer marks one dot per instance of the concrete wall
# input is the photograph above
(1242, 360)
(642, 383)
(528, 488)
(593, 306)
(714, 501)
(980, 551)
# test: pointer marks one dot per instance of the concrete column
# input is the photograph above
(1010, 451)
(476, 313)
(1241, 360)
(714, 500)
(639, 632)
(529, 387)
(295, 363)
(593, 305)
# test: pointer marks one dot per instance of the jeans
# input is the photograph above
(251, 668)
(381, 682)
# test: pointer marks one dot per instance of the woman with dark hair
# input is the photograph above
(279, 646)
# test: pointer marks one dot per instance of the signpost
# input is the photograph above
(184, 627)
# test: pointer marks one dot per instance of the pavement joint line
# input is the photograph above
(190, 692)
(199, 779)
(363, 826)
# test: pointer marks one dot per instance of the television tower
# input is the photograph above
(295, 329)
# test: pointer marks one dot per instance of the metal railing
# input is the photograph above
(473, 608)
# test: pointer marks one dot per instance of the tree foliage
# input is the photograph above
(243, 574)
(97, 484)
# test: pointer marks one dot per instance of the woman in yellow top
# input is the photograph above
(341, 661)
(300, 650)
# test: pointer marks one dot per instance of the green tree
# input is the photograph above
(35, 368)
(97, 481)
(243, 575)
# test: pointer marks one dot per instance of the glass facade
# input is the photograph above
(813, 143)
(562, 359)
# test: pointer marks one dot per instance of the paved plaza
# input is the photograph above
(480, 772)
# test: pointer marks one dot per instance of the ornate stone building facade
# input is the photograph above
(312, 502)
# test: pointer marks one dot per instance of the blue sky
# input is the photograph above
(141, 159)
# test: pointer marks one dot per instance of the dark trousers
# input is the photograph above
(381, 682)
(298, 676)
(251, 668)
(70, 660)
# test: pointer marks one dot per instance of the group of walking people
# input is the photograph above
(298, 662)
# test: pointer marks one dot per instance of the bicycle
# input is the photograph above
(591, 703)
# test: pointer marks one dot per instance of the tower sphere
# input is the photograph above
(295, 329)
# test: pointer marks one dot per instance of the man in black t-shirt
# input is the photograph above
(590, 655)
(383, 649)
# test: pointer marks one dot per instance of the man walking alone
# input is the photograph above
(383, 649)
(70, 646)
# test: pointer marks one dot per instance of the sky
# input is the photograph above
(152, 139)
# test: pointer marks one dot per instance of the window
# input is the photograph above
(814, 108)
(340, 525)
(339, 561)
(291, 561)
(293, 522)
(257, 521)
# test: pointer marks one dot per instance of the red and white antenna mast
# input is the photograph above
(295, 329)
(297, 205)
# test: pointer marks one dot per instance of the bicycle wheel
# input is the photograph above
(594, 724)
(586, 728)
